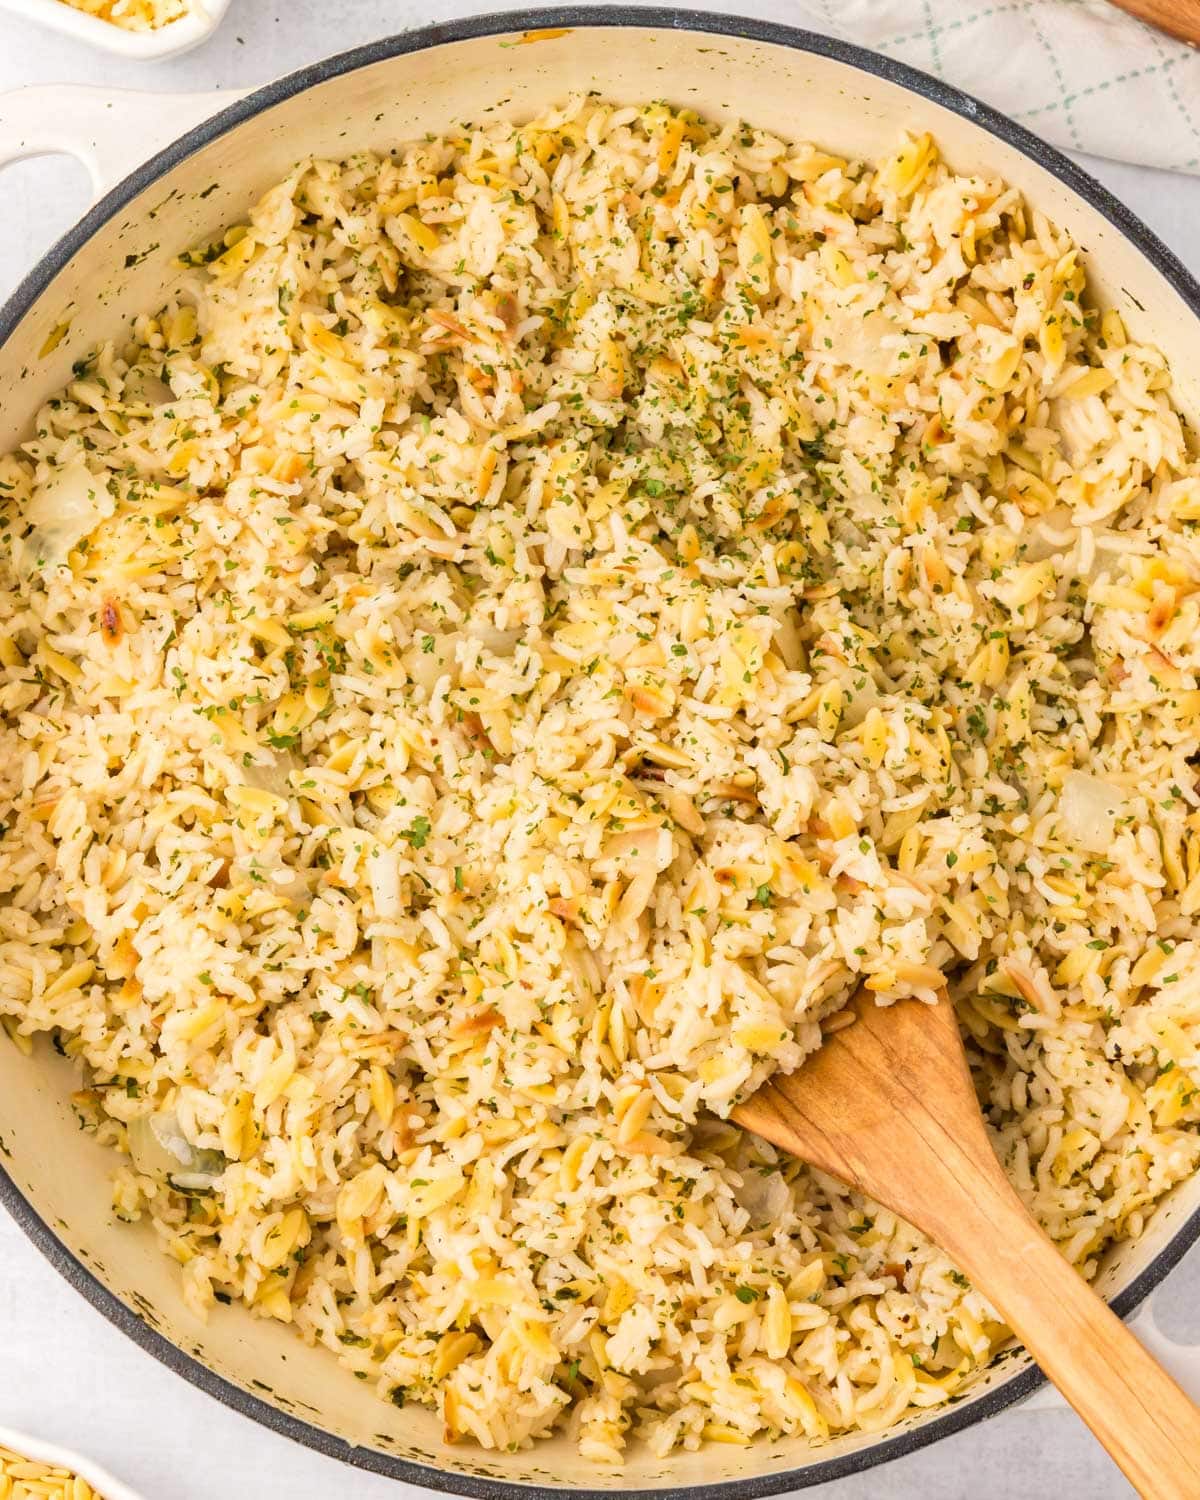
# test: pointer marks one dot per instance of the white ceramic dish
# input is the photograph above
(118, 261)
(43, 1452)
(142, 46)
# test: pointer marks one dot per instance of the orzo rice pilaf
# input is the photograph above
(533, 625)
(134, 15)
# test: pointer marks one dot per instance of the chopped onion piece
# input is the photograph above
(1090, 808)
(64, 510)
(764, 1195)
(142, 388)
(160, 1149)
(429, 659)
(275, 775)
(500, 643)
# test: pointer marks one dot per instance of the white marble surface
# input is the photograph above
(64, 1372)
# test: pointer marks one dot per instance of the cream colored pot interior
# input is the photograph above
(125, 267)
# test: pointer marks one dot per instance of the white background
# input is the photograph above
(64, 1372)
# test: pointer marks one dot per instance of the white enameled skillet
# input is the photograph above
(117, 261)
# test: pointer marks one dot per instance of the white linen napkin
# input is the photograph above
(1080, 73)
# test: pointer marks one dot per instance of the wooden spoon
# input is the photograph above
(887, 1105)
(1178, 18)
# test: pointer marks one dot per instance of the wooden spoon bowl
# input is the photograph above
(887, 1105)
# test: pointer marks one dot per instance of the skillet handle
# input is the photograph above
(111, 131)
(1179, 1360)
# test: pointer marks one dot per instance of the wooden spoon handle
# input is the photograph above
(887, 1106)
(1147, 1424)
(1178, 18)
